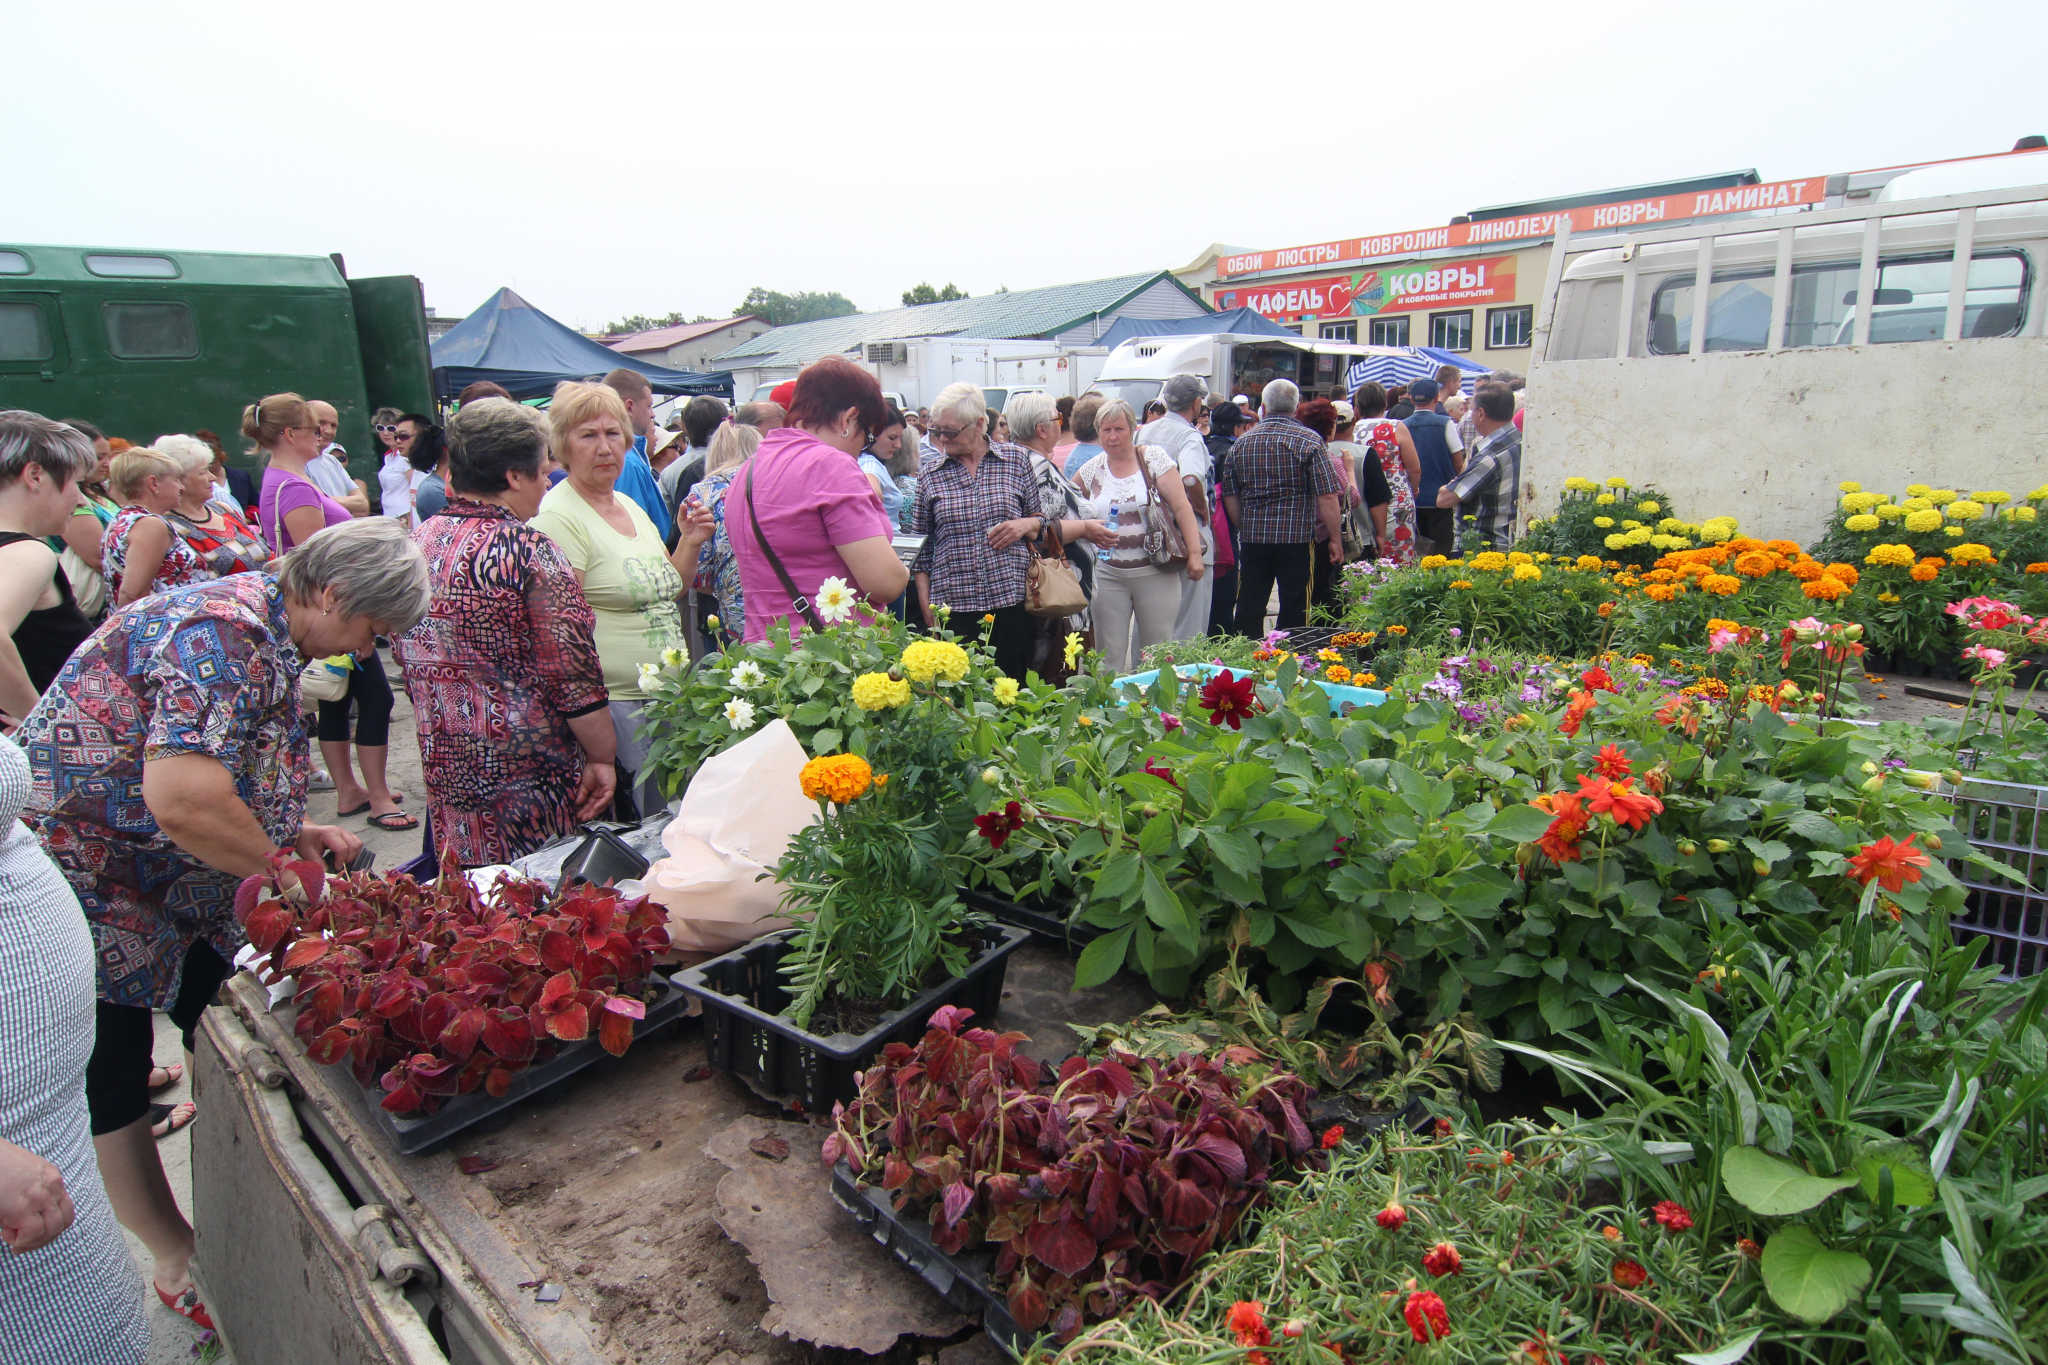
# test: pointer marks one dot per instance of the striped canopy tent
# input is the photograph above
(1393, 365)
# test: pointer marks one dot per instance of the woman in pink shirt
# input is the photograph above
(805, 495)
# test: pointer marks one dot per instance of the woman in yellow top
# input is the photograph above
(634, 585)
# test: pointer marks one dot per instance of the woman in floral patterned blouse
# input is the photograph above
(168, 763)
(515, 735)
(139, 552)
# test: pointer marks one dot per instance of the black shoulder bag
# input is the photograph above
(796, 599)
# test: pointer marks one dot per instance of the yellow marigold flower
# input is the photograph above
(838, 778)
(1604, 523)
(1328, 656)
(1850, 486)
(1397, 630)
(1941, 497)
(1433, 562)
(928, 659)
(1617, 541)
(1888, 511)
(1925, 570)
(880, 692)
(1860, 502)
(1625, 580)
(1953, 531)
(1897, 556)
(1490, 561)
(1663, 542)
(1461, 583)
(1992, 497)
(1586, 562)
(1923, 521)
(1649, 507)
(1579, 484)
(1366, 679)
(1720, 584)
(2021, 513)
(1630, 524)
(1972, 553)
(1337, 673)
(1862, 521)
(2039, 494)
(1826, 588)
(1616, 481)
(1605, 500)
(1887, 597)
(1520, 557)
(1965, 509)
(1526, 573)
(1005, 691)
(1917, 490)
(1542, 556)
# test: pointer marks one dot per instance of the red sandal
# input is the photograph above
(185, 1304)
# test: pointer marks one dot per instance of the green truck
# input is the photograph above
(144, 342)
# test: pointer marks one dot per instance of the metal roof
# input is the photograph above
(1021, 313)
(661, 338)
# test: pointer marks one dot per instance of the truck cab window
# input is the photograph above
(24, 333)
(150, 331)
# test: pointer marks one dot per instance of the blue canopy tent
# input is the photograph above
(1238, 322)
(510, 342)
(1408, 363)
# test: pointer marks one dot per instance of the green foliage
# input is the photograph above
(1557, 611)
(639, 322)
(780, 310)
(1640, 525)
(924, 293)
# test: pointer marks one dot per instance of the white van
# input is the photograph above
(1894, 340)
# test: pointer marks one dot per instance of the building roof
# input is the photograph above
(661, 338)
(1022, 313)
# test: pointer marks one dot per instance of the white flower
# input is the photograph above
(672, 657)
(650, 677)
(739, 714)
(747, 673)
(834, 601)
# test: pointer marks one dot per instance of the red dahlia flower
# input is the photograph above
(1628, 806)
(1675, 1216)
(1229, 699)
(1597, 680)
(998, 826)
(1428, 1320)
(1890, 863)
(1612, 762)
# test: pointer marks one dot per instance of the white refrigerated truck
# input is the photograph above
(1892, 340)
(1232, 362)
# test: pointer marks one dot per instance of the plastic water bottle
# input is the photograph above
(1102, 551)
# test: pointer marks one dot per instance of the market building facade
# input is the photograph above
(1470, 286)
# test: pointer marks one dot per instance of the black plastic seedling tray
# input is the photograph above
(962, 1280)
(1050, 925)
(745, 1033)
(410, 1136)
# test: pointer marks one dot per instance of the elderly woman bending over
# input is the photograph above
(169, 762)
(632, 582)
(979, 508)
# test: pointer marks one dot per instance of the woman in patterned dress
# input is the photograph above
(216, 530)
(516, 739)
(139, 552)
(1388, 441)
(169, 763)
(718, 573)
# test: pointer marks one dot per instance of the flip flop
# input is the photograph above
(185, 1304)
(353, 810)
(172, 1118)
(394, 821)
(172, 1074)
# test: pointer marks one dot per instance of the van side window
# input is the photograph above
(1911, 304)
(13, 263)
(150, 331)
(24, 333)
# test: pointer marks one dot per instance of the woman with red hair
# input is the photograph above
(802, 512)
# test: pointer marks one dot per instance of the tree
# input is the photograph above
(779, 310)
(641, 323)
(924, 293)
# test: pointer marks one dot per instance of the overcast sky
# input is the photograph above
(642, 158)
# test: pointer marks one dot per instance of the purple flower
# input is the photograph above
(1531, 692)
(1445, 685)
(1895, 763)
(1456, 633)
(1455, 663)
(1472, 715)
(1486, 666)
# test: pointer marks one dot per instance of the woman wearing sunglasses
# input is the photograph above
(394, 472)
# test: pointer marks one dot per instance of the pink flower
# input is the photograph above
(1985, 655)
(1170, 721)
(1720, 640)
(1985, 613)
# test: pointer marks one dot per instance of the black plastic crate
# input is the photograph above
(964, 1280)
(410, 1136)
(745, 1033)
(2009, 821)
(1045, 922)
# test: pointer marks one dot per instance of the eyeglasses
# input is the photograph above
(387, 428)
(945, 433)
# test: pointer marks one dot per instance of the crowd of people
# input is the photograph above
(166, 612)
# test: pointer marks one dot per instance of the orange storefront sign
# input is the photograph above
(1628, 213)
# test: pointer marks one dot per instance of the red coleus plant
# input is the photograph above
(429, 991)
(1097, 1184)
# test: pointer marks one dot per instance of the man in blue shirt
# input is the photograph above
(636, 475)
(1442, 456)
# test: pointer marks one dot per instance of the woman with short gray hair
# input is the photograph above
(509, 636)
(169, 763)
(217, 532)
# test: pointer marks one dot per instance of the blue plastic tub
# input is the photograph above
(1341, 695)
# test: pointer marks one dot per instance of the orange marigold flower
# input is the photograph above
(1848, 573)
(1607, 608)
(1826, 588)
(1926, 570)
(1721, 584)
(838, 778)
(1890, 863)
(1754, 564)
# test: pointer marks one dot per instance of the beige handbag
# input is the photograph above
(1052, 588)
